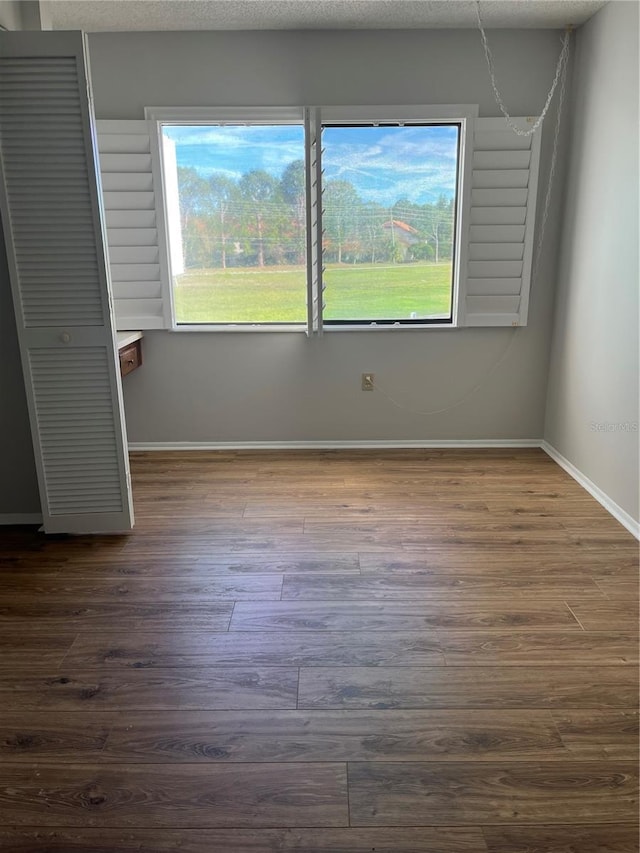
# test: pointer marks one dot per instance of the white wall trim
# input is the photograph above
(331, 445)
(15, 518)
(608, 503)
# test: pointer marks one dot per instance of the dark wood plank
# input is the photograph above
(205, 688)
(620, 615)
(355, 508)
(41, 736)
(399, 616)
(211, 528)
(495, 560)
(252, 736)
(436, 793)
(587, 535)
(62, 548)
(469, 687)
(113, 565)
(449, 839)
(606, 838)
(174, 796)
(52, 615)
(292, 563)
(142, 564)
(415, 525)
(203, 546)
(539, 648)
(617, 588)
(480, 534)
(295, 648)
(59, 589)
(595, 733)
(413, 587)
(20, 651)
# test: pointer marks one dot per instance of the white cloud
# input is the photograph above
(407, 164)
(384, 167)
(238, 150)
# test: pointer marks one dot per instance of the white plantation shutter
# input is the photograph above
(134, 235)
(52, 223)
(501, 224)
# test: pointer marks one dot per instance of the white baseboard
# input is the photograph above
(608, 503)
(16, 518)
(331, 445)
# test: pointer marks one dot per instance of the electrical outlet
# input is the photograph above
(367, 381)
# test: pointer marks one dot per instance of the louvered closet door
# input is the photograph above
(59, 277)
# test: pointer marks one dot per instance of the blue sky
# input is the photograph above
(383, 163)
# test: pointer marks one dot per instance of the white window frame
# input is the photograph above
(161, 116)
(464, 114)
(312, 118)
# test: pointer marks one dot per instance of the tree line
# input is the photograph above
(260, 220)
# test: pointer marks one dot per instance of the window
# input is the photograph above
(332, 217)
(237, 222)
(492, 221)
(389, 222)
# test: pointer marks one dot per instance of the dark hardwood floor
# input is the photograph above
(325, 652)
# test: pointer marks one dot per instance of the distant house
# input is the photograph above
(403, 235)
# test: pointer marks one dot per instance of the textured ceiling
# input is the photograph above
(119, 15)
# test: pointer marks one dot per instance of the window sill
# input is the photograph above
(400, 327)
(300, 328)
(240, 328)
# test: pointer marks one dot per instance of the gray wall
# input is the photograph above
(10, 15)
(18, 484)
(263, 386)
(593, 379)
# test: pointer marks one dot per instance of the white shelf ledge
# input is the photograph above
(126, 338)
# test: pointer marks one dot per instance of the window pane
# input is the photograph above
(389, 200)
(237, 226)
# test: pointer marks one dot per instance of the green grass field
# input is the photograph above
(278, 294)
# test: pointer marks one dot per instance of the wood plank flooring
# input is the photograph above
(325, 652)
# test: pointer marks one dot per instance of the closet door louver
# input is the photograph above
(52, 223)
(133, 235)
(501, 226)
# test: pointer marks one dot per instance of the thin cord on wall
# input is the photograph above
(552, 169)
(560, 67)
(559, 79)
